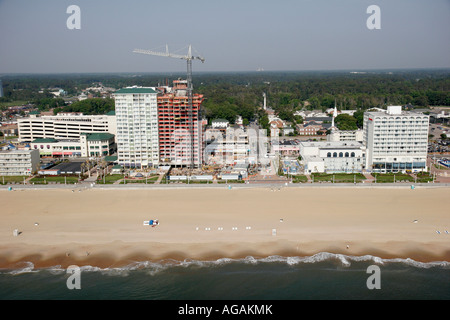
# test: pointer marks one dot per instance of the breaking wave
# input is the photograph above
(153, 268)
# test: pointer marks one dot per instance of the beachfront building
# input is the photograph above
(100, 144)
(137, 127)
(63, 125)
(396, 140)
(88, 145)
(332, 157)
(18, 162)
(179, 143)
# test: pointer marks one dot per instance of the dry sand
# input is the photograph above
(105, 228)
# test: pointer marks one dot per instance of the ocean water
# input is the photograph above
(324, 276)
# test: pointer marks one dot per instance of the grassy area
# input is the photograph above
(424, 177)
(392, 177)
(440, 166)
(110, 179)
(12, 179)
(299, 179)
(338, 177)
(13, 103)
(230, 181)
(52, 179)
(149, 180)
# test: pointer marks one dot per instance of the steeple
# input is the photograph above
(334, 116)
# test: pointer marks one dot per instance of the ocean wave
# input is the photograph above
(27, 268)
(153, 268)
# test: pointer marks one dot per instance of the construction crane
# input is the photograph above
(189, 58)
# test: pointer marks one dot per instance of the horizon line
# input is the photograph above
(232, 71)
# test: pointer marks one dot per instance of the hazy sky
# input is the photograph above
(233, 35)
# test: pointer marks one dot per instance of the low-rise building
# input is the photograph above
(332, 157)
(346, 135)
(9, 129)
(18, 162)
(220, 124)
(286, 148)
(312, 128)
(89, 145)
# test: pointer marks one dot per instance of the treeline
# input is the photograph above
(89, 106)
(296, 91)
(228, 95)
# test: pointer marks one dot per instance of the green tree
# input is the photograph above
(345, 122)
(359, 116)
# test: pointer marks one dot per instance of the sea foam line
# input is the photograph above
(156, 267)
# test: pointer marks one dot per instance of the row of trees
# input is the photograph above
(229, 95)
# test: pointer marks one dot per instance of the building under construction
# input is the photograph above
(179, 143)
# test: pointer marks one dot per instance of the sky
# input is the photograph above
(232, 35)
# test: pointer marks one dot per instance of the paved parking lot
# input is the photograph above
(69, 167)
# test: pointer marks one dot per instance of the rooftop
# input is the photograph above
(48, 140)
(332, 144)
(135, 90)
(394, 111)
(98, 136)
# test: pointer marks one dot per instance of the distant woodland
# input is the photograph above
(228, 95)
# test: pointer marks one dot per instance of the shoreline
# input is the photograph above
(104, 258)
(102, 227)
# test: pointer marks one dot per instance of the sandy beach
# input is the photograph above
(104, 228)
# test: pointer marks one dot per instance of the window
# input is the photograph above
(334, 155)
(352, 154)
(341, 154)
(329, 154)
(346, 154)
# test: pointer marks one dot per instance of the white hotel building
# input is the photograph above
(137, 127)
(396, 140)
(64, 126)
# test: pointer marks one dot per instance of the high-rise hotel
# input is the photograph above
(396, 140)
(154, 126)
(137, 127)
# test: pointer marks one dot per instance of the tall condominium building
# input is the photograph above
(178, 144)
(137, 127)
(396, 140)
(63, 126)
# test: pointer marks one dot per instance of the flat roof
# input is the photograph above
(45, 140)
(135, 90)
(332, 144)
(98, 136)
